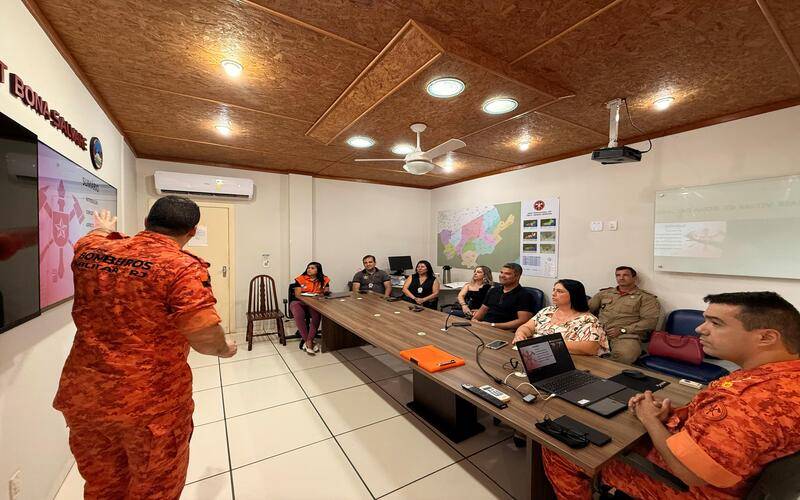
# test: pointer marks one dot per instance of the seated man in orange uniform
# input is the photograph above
(720, 441)
(126, 388)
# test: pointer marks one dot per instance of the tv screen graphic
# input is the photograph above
(19, 231)
(69, 195)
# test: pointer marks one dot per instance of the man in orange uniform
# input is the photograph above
(126, 388)
(724, 437)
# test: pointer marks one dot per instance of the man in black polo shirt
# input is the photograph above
(507, 305)
(371, 278)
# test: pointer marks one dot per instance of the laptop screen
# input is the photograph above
(545, 357)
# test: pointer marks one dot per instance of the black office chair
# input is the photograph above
(288, 313)
(538, 298)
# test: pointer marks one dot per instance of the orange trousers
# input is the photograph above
(142, 460)
(571, 483)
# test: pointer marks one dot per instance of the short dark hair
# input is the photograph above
(514, 267)
(172, 215)
(577, 294)
(764, 310)
(369, 257)
(626, 268)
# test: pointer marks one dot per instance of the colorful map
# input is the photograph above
(479, 236)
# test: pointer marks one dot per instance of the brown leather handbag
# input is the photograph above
(679, 347)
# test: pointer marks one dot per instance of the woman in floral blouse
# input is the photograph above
(569, 315)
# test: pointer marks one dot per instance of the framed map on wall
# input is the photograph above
(487, 235)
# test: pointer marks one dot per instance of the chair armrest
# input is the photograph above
(660, 474)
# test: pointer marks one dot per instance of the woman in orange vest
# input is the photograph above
(312, 281)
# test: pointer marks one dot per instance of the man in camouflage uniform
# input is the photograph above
(628, 314)
(126, 387)
(720, 441)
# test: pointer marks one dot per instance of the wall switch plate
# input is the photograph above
(597, 225)
(612, 225)
(265, 260)
(15, 485)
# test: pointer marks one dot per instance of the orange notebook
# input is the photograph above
(431, 359)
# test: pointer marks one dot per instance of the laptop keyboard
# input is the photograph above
(567, 382)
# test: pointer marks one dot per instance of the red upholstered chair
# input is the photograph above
(262, 304)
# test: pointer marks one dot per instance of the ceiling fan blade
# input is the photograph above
(444, 148)
(380, 159)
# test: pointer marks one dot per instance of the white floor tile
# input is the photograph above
(330, 378)
(506, 464)
(252, 369)
(205, 378)
(208, 453)
(197, 360)
(207, 406)
(400, 388)
(382, 367)
(213, 488)
(395, 452)
(492, 435)
(301, 360)
(317, 471)
(356, 407)
(266, 433)
(460, 480)
(72, 487)
(261, 347)
(260, 394)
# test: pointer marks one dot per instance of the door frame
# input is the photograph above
(231, 255)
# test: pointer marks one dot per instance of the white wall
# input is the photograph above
(33, 437)
(258, 222)
(353, 219)
(755, 147)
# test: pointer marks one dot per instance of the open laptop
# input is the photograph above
(550, 369)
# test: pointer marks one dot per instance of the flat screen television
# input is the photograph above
(19, 231)
(69, 195)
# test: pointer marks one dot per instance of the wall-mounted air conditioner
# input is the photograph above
(203, 185)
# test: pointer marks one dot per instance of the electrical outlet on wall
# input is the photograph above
(611, 225)
(597, 225)
(15, 485)
(265, 260)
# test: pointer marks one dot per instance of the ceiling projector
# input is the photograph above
(614, 154)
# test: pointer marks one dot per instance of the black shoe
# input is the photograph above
(302, 343)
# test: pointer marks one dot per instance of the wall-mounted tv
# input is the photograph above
(19, 231)
(69, 195)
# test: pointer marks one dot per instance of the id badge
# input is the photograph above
(419, 290)
(371, 285)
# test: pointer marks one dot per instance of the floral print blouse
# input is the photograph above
(585, 327)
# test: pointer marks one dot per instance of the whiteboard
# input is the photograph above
(747, 228)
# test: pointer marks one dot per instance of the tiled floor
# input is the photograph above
(275, 422)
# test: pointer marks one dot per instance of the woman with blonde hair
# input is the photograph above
(471, 296)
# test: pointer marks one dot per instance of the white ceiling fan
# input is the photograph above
(420, 162)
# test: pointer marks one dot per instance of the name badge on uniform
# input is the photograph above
(419, 290)
(371, 285)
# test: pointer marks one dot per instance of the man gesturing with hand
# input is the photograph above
(126, 387)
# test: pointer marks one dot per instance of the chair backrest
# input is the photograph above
(778, 481)
(538, 298)
(684, 322)
(262, 296)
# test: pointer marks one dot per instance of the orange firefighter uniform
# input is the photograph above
(126, 387)
(725, 436)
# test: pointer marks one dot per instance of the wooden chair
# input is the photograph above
(262, 304)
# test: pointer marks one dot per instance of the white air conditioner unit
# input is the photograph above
(203, 185)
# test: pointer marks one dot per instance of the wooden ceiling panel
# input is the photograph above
(165, 148)
(548, 137)
(787, 17)
(504, 28)
(388, 122)
(178, 45)
(681, 48)
(384, 174)
(193, 119)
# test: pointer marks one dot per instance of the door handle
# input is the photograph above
(224, 271)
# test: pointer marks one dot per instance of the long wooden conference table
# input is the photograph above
(439, 398)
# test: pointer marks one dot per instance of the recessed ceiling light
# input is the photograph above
(224, 128)
(445, 87)
(500, 105)
(663, 103)
(232, 67)
(524, 146)
(403, 149)
(359, 141)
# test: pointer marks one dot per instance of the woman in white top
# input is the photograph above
(569, 315)
(471, 296)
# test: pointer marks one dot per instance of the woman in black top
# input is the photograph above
(422, 287)
(471, 296)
